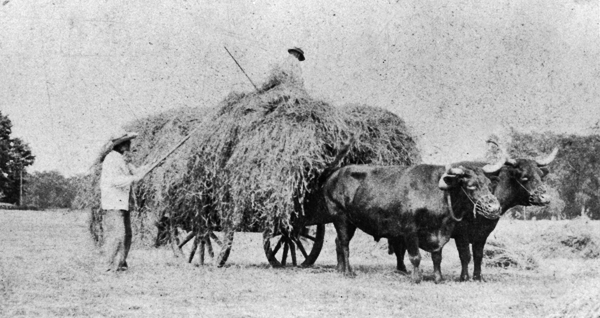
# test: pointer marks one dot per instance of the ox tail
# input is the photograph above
(335, 164)
(452, 215)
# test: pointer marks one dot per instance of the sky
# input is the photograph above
(73, 72)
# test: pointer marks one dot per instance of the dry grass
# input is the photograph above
(50, 267)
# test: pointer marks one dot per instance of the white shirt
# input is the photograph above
(115, 182)
(291, 66)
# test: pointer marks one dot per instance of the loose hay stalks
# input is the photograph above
(582, 302)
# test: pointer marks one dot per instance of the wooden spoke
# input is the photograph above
(312, 238)
(286, 247)
(210, 249)
(186, 239)
(194, 247)
(225, 249)
(216, 239)
(293, 250)
(277, 247)
(202, 246)
(301, 248)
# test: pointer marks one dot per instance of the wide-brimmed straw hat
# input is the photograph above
(114, 140)
(122, 136)
(299, 51)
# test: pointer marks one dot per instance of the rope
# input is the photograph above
(452, 215)
(471, 199)
(522, 186)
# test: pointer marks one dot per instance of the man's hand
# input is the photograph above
(141, 172)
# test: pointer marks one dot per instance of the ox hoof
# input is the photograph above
(403, 273)
(464, 278)
(417, 277)
(349, 274)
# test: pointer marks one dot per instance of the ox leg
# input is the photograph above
(436, 257)
(339, 251)
(414, 255)
(462, 245)
(477, 259)
(345, 232)
(398, 247)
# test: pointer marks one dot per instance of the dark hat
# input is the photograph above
(299, 51)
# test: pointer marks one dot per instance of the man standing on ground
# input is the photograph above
(115, 185)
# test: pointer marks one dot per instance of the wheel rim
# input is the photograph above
(213, 247)
(303, 248)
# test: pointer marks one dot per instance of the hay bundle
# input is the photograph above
(508, 254)
(255, 157)
(577, 238)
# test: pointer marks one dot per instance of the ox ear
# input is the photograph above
(448, 181)
(442, 183)
(452, 181)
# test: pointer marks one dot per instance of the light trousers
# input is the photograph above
(117, 238)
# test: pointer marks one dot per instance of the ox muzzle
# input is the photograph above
(539, 196)
(487, 206)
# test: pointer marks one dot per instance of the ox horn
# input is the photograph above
(456, 171)
(491, 168)
(546, 161)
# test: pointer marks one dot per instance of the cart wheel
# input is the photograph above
(308, 241)
(213, 247)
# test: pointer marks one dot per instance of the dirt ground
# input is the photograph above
(49, 267)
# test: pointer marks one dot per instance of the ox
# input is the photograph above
(518, 182)
(405, 205)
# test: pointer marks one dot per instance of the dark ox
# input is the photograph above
(404, 205)
(518, 182)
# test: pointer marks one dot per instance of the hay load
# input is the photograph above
(256, 156)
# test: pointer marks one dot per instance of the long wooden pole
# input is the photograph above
(158, 162)
(238, 64)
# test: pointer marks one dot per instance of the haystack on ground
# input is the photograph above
(507, 253)
(576, 238)
(256, 157)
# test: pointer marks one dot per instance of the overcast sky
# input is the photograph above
(72, 72)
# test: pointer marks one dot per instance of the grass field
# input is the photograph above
(49, 267)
